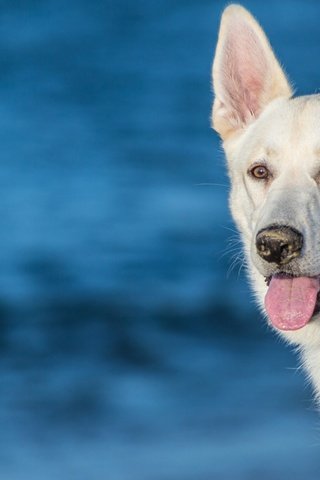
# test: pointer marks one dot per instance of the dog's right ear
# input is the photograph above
(246, 73)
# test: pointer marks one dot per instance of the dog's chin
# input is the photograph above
(307, 337)
(316, 311)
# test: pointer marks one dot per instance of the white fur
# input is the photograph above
(259, 121)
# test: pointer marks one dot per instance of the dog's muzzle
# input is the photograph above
(279, 244)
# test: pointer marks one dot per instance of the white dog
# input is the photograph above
(272, 145)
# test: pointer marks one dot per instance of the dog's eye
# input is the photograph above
(260, 172)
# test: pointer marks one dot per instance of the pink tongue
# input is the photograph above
(290, 302)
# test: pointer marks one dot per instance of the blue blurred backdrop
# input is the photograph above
(128, 352)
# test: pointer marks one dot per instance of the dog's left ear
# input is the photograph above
(246, 73)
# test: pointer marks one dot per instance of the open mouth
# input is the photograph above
(291, 302)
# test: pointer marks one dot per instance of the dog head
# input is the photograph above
(272, 145)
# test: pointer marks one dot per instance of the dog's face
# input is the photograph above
(272, 144)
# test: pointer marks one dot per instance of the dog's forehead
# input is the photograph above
(292, 123)
(287, 126)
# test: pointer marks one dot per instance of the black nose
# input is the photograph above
(279, 244)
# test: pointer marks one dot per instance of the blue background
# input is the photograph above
(130, 349)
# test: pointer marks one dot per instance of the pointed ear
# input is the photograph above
(246, 73)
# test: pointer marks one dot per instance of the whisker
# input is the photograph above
(231, 229)
(238, 259)
(234, 240)
(232, 250)
(242, 266)
(208, 184)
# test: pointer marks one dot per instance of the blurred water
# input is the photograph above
(127, 350)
